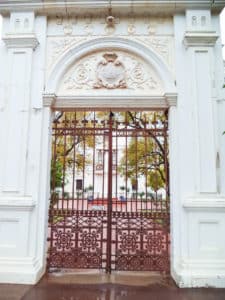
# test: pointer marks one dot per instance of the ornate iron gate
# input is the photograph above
(109, 206)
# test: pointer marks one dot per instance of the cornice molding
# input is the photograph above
(67, 102)
(200, 39)
(20, 41)
(206, 202)
(17, 203)
(79, 6)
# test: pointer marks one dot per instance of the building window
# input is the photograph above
(79, 184)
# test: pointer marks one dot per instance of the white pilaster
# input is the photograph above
(200, 261)
(21, 113)
(17, 105)
(202, 68)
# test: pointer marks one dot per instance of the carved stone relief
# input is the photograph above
(107, 71)
(72, 31)
(131, 25)
(110, 73)
(57, 47)
(162, 45)
(131, 29)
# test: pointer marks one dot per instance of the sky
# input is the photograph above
(222, 22)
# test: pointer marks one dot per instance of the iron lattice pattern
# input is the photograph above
(109, 206)
(140, 242)
(78, 240)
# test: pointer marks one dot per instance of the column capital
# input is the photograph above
(200, 30)
(27, 40)
(49, 99)
(21, 31)
(171, 99)
(200, 39)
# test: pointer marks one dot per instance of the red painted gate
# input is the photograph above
(109, 206)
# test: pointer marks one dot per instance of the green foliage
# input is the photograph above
(123, 188)
(155, 180)
(88, 189)
(141, 194)
(143, 158)
(68, 150)
(56, 174)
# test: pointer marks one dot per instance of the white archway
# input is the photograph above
(168, 99)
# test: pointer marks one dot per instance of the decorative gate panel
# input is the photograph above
(109, 205)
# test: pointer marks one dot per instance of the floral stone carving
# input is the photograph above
(110, 73)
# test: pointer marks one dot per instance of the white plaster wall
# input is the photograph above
(197, 147)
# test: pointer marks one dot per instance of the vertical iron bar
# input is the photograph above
(126, 158)
(77, 132)
(83, 161)
(116, 162)
(109, 229)
(166, 213)
(64, 162)
(54, 162)
(70, 141)
(73, 133)
(147, 148)
(94, 154)
(136, 167)
(103, 164)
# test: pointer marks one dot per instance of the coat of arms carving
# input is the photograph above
(110, 73)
